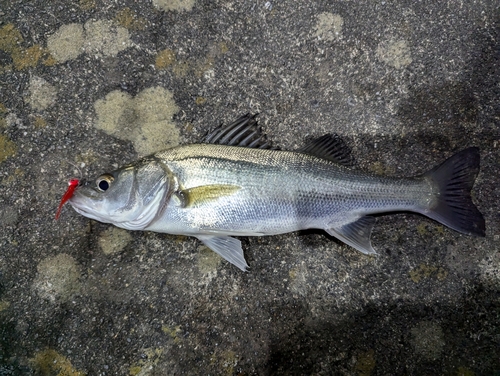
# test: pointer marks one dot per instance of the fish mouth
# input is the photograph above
(86, 212)
(80, 203)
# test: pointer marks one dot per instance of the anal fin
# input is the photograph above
(227, 247)
(356, 234)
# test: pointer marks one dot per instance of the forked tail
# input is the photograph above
(454, 179)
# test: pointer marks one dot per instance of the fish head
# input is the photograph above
(130, 197)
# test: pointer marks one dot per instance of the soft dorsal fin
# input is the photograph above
(330, 147)
(242, 132)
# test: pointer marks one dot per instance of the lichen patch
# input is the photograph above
(100, 38)
(174, 5)
(145, 120)
(428, 339)
(41, 94)
(7, 148)
(329, 26)
(67, 42)
(395, 53)
(106, 38)
(114, 240)
(57, 278)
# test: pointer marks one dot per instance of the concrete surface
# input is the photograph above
(98, 83)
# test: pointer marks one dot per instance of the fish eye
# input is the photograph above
(103, 182)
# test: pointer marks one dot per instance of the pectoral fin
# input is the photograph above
(227, 247)
(356, 234)
(205, 193)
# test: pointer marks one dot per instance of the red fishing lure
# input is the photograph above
(72, 184)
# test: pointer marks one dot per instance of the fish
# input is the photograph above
(235, 183)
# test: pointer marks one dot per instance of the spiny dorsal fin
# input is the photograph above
(330, 147)
(242, 132)
(199, 195)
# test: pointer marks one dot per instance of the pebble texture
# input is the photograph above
(87, 86)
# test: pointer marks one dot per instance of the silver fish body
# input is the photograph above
(277, 192)
(214, 192)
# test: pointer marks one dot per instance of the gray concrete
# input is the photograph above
(98, 83)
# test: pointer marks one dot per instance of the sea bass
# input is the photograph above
(235, 184)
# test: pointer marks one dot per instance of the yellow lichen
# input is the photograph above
(365, 363)
(39, 122)
(164, 59)
(200, 100)
(422, 228)
(49, 363)
(134, 370)
(172, 332)
(48, 59)
(7, 148)
(3, 109)
(380, 169)
(26, 58)
(128, 19)
(10, 38)
(223, 47)
(149, 363)
(87, 4)
(11, 178)
(463, 371)
(424, 271)
(225, 361)
(4, 305)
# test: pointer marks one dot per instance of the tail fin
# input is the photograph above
(454, 179)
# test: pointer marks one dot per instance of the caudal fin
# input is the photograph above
(455, 178)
